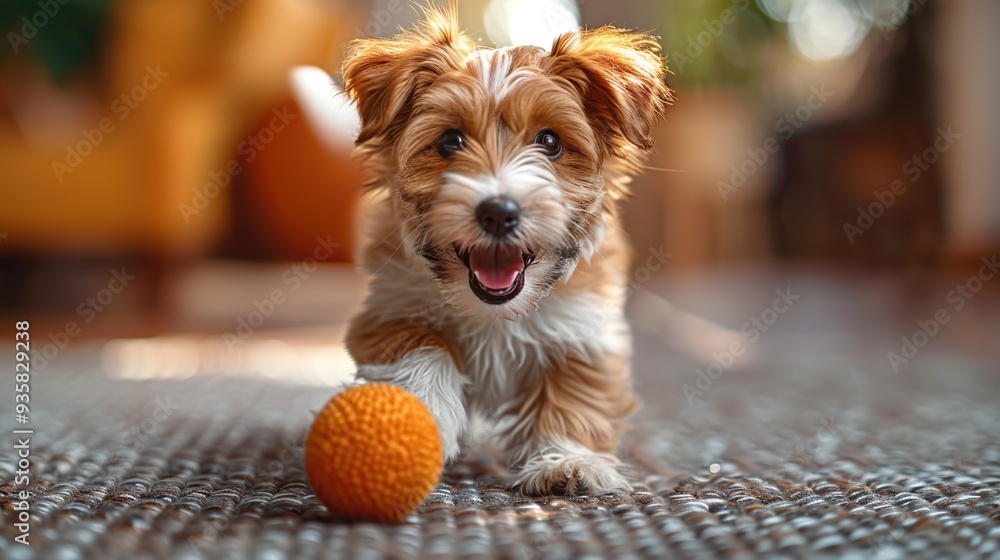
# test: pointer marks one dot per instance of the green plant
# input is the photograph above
(711, 42)
(63, 36)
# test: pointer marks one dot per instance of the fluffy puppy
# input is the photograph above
(493, 237)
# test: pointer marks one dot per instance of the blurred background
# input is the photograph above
(165, 205)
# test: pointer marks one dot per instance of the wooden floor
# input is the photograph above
(813, 440)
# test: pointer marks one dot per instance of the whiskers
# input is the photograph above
(599, 214)
(396, 250)
(401, 224)
(663, 169)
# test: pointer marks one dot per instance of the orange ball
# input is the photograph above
(373, 454)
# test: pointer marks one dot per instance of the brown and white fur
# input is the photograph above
(549, 363)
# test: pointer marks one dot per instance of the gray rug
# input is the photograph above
(794, 457)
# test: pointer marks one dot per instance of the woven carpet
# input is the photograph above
(806, 455)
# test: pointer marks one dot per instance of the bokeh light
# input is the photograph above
(888, 14)
(529, 22)
(826, 29)
(778, 10)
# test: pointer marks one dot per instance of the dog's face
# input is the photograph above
(503, 163)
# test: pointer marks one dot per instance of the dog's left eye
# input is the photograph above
(550, 144)
(451, 142)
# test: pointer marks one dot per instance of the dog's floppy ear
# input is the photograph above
(621, 77)
(382, 75)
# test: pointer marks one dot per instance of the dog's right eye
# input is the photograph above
(451, 142)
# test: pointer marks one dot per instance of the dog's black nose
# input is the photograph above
(498, 215)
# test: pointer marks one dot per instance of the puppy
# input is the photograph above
(493, 239)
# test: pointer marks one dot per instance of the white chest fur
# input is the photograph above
(499, 354)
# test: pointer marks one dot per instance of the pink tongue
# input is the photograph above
(497, 268)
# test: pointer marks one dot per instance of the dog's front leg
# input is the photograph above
(419, 360)
(565, 425)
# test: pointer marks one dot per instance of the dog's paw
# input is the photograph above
(571, 475)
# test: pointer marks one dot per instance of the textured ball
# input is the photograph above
(373, 454)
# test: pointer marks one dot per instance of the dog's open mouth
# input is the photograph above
(496, 273)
